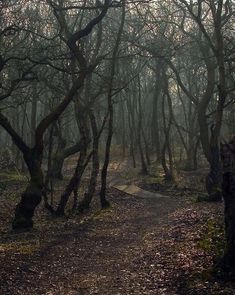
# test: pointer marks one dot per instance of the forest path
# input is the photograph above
(122, 177)
(93, 257)
(145, 244)
(136, 191)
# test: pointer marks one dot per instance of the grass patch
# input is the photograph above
(213, 240)
(154, 179)
(21, 247)
(12, 176)
(102, 213)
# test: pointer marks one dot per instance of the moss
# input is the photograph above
(12, 176)
(21, 247)
(154, 179)
(102, 213)
(213, 240)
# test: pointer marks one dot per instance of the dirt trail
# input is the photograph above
(136, 191)
(120, 180)
(94, 257)
(145, 244)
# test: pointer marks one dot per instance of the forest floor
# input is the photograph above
(141, 245)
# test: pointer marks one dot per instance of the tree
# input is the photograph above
(227, 262)
(104, 202)
(33, 156)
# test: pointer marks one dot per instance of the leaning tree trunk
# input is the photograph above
(74, 182)
(33, 194)
(33, 156)
(61, 155)
(103, 200)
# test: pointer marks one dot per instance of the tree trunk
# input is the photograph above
(169, 175)
(48, 180)
(58, 162)
(123, 131)
(73, 183)
(62, 154)
(147, 154)
(103, 201)
(85, 203)
(155, 115)
(213, 179)
(144, 169)
(32, 196)
(33, 114)
(131, 125)
(190, 153)
(195, 157)
(228, 190)
(33, 157)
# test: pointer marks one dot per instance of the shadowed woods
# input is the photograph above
(117, 147)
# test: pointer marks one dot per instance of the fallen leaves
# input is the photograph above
(138, 247)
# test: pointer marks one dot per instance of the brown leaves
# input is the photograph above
(139, 247)
(174, 256)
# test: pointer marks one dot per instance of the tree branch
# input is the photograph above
(18, 140)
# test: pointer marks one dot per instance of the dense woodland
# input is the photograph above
(145, 81)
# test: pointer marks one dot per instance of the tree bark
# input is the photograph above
(169, 174)
(85, 203)
(32, 196)
(73, 185)
(144, 169)
(103, 200)
(59, 158)
(33, 157)
(156, 145)
(228, 190)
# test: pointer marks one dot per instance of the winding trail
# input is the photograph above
(95, 256)
(119, 181)
(136, 191)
